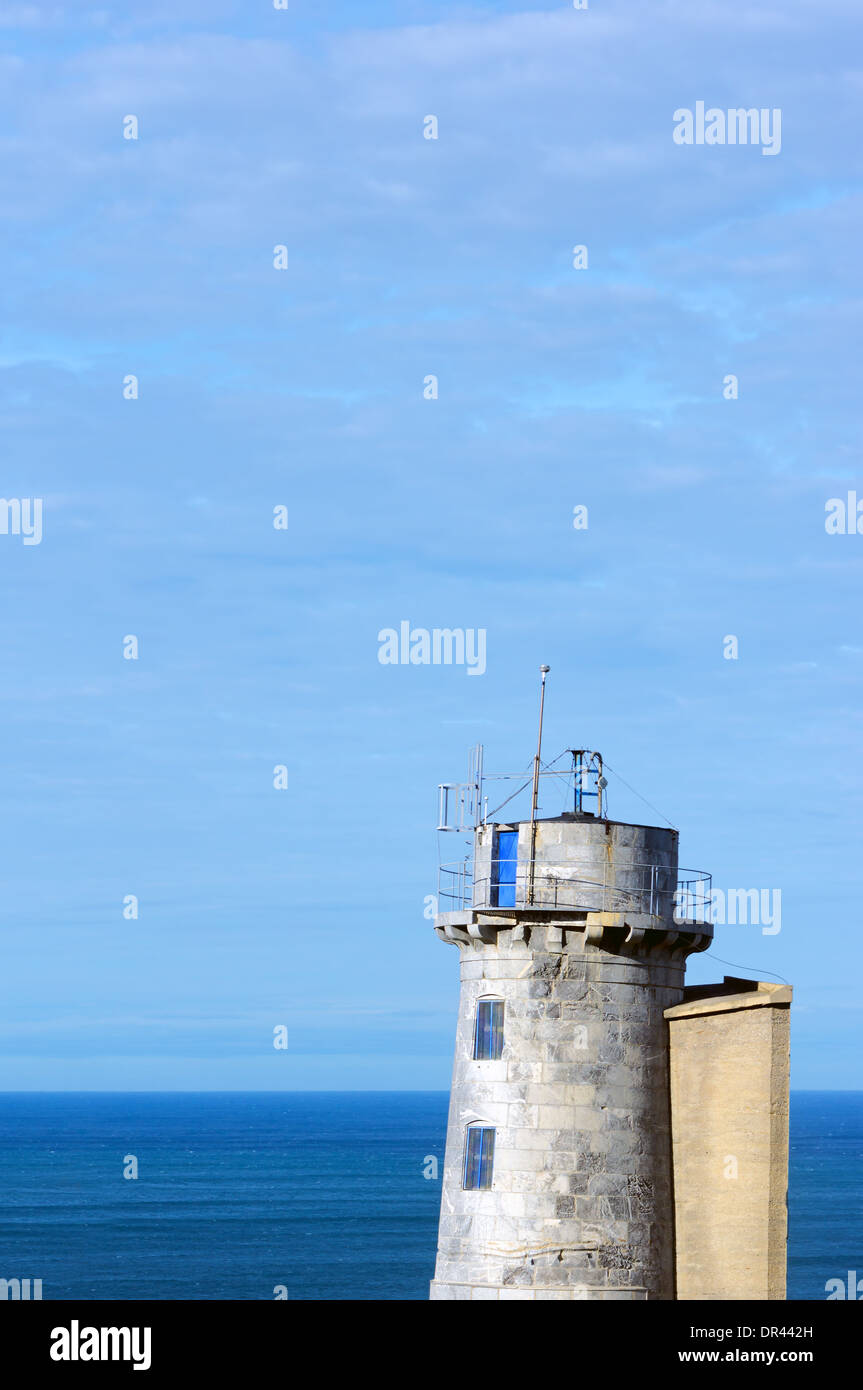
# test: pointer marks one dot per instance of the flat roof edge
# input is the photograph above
(726, 999)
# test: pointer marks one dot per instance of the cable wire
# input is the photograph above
(638, 794)
(745, 967)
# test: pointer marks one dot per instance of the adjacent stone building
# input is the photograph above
(729, 1054)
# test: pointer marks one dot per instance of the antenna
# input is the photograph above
(588, 780)
(543, 670)
(466, 812)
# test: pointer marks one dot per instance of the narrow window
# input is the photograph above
(504, 869)
(478, 1158)
(488, 1035)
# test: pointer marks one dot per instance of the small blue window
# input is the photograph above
(488, 1035)
(479, 1158)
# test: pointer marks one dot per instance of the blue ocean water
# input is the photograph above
(323, 1193)
(825, 1190)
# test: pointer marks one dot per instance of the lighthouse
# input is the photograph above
(573, 932)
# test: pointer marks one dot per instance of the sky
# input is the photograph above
(306, 388)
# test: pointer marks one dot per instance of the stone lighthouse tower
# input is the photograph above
(573, 932)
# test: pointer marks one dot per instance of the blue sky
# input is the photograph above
(304, 387)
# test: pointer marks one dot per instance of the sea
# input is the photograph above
(326, 1195)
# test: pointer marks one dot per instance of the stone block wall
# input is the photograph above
(581, 1204)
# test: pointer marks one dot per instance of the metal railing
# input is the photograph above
(644, 888)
